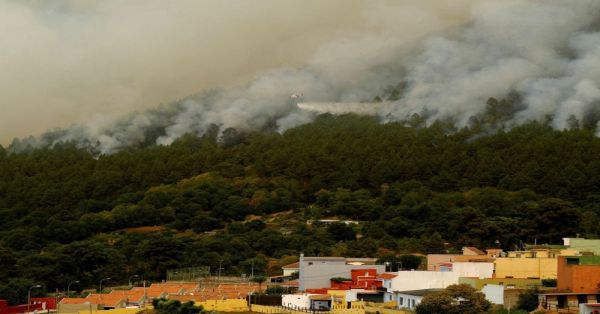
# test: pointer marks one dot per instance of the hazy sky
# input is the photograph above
(65, 62)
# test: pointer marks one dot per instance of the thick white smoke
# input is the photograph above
(546, 51)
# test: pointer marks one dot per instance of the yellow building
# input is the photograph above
(540, 263)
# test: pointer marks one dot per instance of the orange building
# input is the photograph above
(579, 274)
(578, 282)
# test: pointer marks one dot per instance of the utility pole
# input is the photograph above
(29, 296)
(219, 276)
(69, 287)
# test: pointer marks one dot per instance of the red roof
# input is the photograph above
(292, 265)
(387, 276)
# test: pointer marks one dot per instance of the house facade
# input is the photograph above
(316, 272)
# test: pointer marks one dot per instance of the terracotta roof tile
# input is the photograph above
(387, 276)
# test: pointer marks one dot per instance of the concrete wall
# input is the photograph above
(584, 278)
(417, 280)
(544, 268)
(296, 301)
(289, 271)
(494, 293)
(476, 270)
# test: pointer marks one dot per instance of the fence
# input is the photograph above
(188, 273)
(356, 308)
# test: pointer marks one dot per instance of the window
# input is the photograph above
(401, 301)
(310, 263)
(572, 261)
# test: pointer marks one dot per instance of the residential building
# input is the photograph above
(307, 302)
(474, 270)
(290, 269)
(421, 280)
(386, 279)
(410, 299)
(566, 302)
(316, 272)
(578, 283)
(583, 245)
(579, 274)
(441, 262)
(538, 263)
(16, 309)
(472, 251)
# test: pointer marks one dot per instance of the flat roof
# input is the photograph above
(420, 293)
(567, 293)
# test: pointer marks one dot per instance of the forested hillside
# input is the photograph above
(243, 198)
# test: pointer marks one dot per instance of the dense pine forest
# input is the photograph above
(244, 198)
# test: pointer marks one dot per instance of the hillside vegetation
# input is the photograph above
(244, 198)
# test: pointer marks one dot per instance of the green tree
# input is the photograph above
(455, 299)
(528, 300)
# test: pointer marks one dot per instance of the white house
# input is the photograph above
(410, 299)
(386, 279)
(473, 270)
(419, 280)
(306, 301)
(290, 269)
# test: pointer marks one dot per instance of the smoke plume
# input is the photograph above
(548, 52)
(449, 57)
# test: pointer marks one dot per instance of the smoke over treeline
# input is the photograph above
(544, 52)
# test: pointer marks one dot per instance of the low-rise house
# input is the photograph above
(421, 280)
(386, 286)
(579, 273)
(438, 262)
(473, 270)
(583, 245)
(17, 309)
(316, 272)
(307, 302)
(539, 263)
(410, 299)
(578, 283)
(92, 302)
(291, 269)
(161, 290)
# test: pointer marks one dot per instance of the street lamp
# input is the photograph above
(105, 279)
(131, 277)
(69, 288)
(29, 295)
